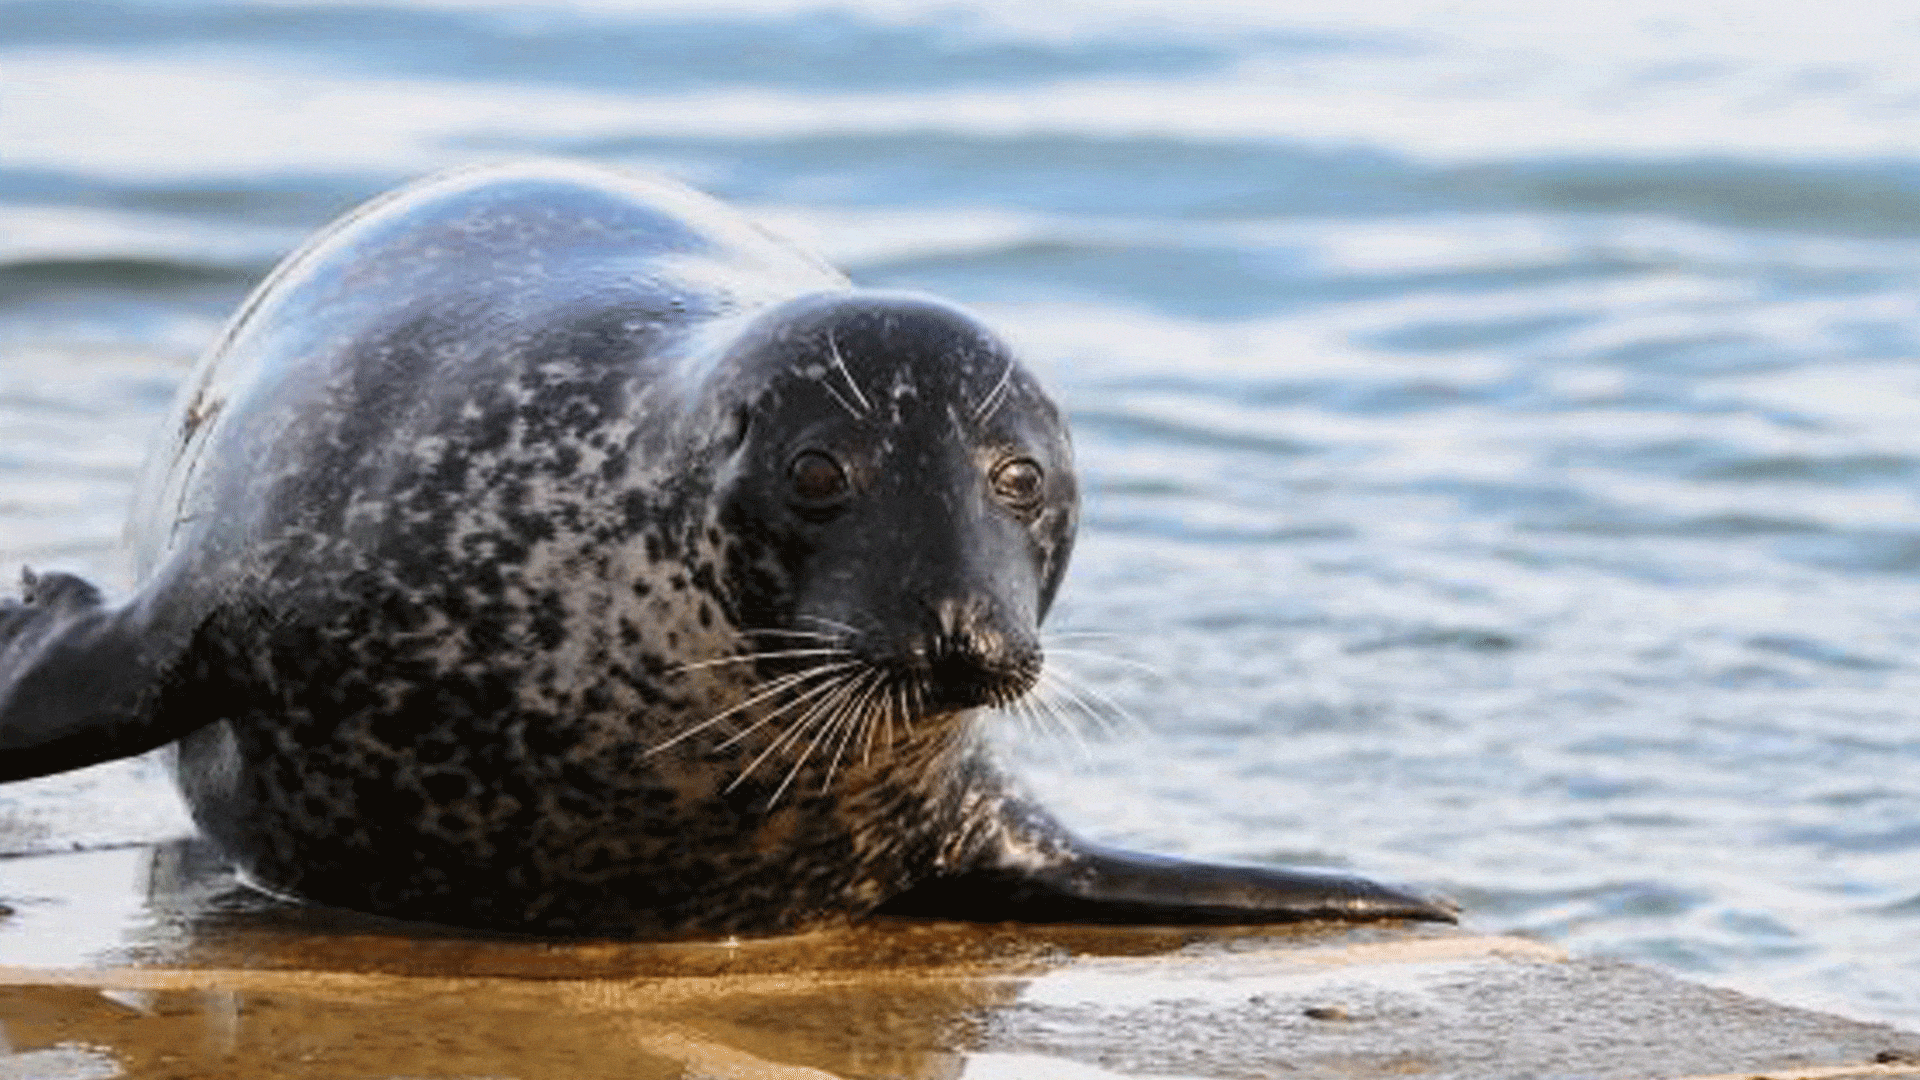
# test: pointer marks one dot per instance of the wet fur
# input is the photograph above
(473, 581)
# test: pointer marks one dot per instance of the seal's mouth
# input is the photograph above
(951, 679)
(963, 662)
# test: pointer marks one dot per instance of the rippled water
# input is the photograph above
(1500, 424)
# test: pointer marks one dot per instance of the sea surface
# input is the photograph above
(1499, 422)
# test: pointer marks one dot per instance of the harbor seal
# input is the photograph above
(549, 549)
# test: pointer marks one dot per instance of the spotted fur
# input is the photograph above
(477, 577)
(472, 531)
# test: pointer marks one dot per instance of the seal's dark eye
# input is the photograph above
(1019, 483)
(817, 479)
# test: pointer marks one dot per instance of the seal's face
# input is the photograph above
(907, 498)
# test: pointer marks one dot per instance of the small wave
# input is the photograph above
(1841, 838)
(1217, 282)
(1857, 198)
(923, 161)
(1135, 415)
(1470, 639)
(35, 277)
(1208, 177)
(1625, 523)
(1454, 335)
(1840, 468)
(1863, 551)
(1716, 460)
(1183, 528)
(1805, 648)
(1553, 913)
(662, 52)
(1132, 427)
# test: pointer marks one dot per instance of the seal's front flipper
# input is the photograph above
(77, 680)
(1092, 884)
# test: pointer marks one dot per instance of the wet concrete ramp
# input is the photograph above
(144, 962)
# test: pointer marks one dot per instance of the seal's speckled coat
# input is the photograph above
(484, 578)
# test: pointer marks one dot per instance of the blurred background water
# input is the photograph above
(1499, 421)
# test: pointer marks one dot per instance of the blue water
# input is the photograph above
(1500, 426)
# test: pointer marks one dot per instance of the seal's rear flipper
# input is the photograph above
(1092, 884)
(78, 680)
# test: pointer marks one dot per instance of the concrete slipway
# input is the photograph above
(145, 962)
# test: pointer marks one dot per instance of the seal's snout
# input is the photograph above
(959, 656)
(966, 672)
(972, 659)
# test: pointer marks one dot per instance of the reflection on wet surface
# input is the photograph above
(153, 962)
(175, 969)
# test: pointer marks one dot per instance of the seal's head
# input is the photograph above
(904, 495)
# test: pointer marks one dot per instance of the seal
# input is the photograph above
(548, 549)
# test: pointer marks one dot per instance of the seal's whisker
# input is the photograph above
(823, 728)
(814, 720)
(863, 707)
(1021, 710)
(1107, 658)
(909, 703)
(1046, 718)
(1122, 717)
(886, 706)
(845, 721)
(897, 714)
(844, 403)
(833, 350)
(867, 713)
(984, 411)
(785, 707)
(869, 716)
(1109, 715)
(1068, 728)
(776, 686)
(1044, 709)
(772, 632)
(1049, 699)
(1073, 705)
(817, 715)
(1014, 712)
(834, 623)
(748, 658)
(825, 694)
(1052, 722)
